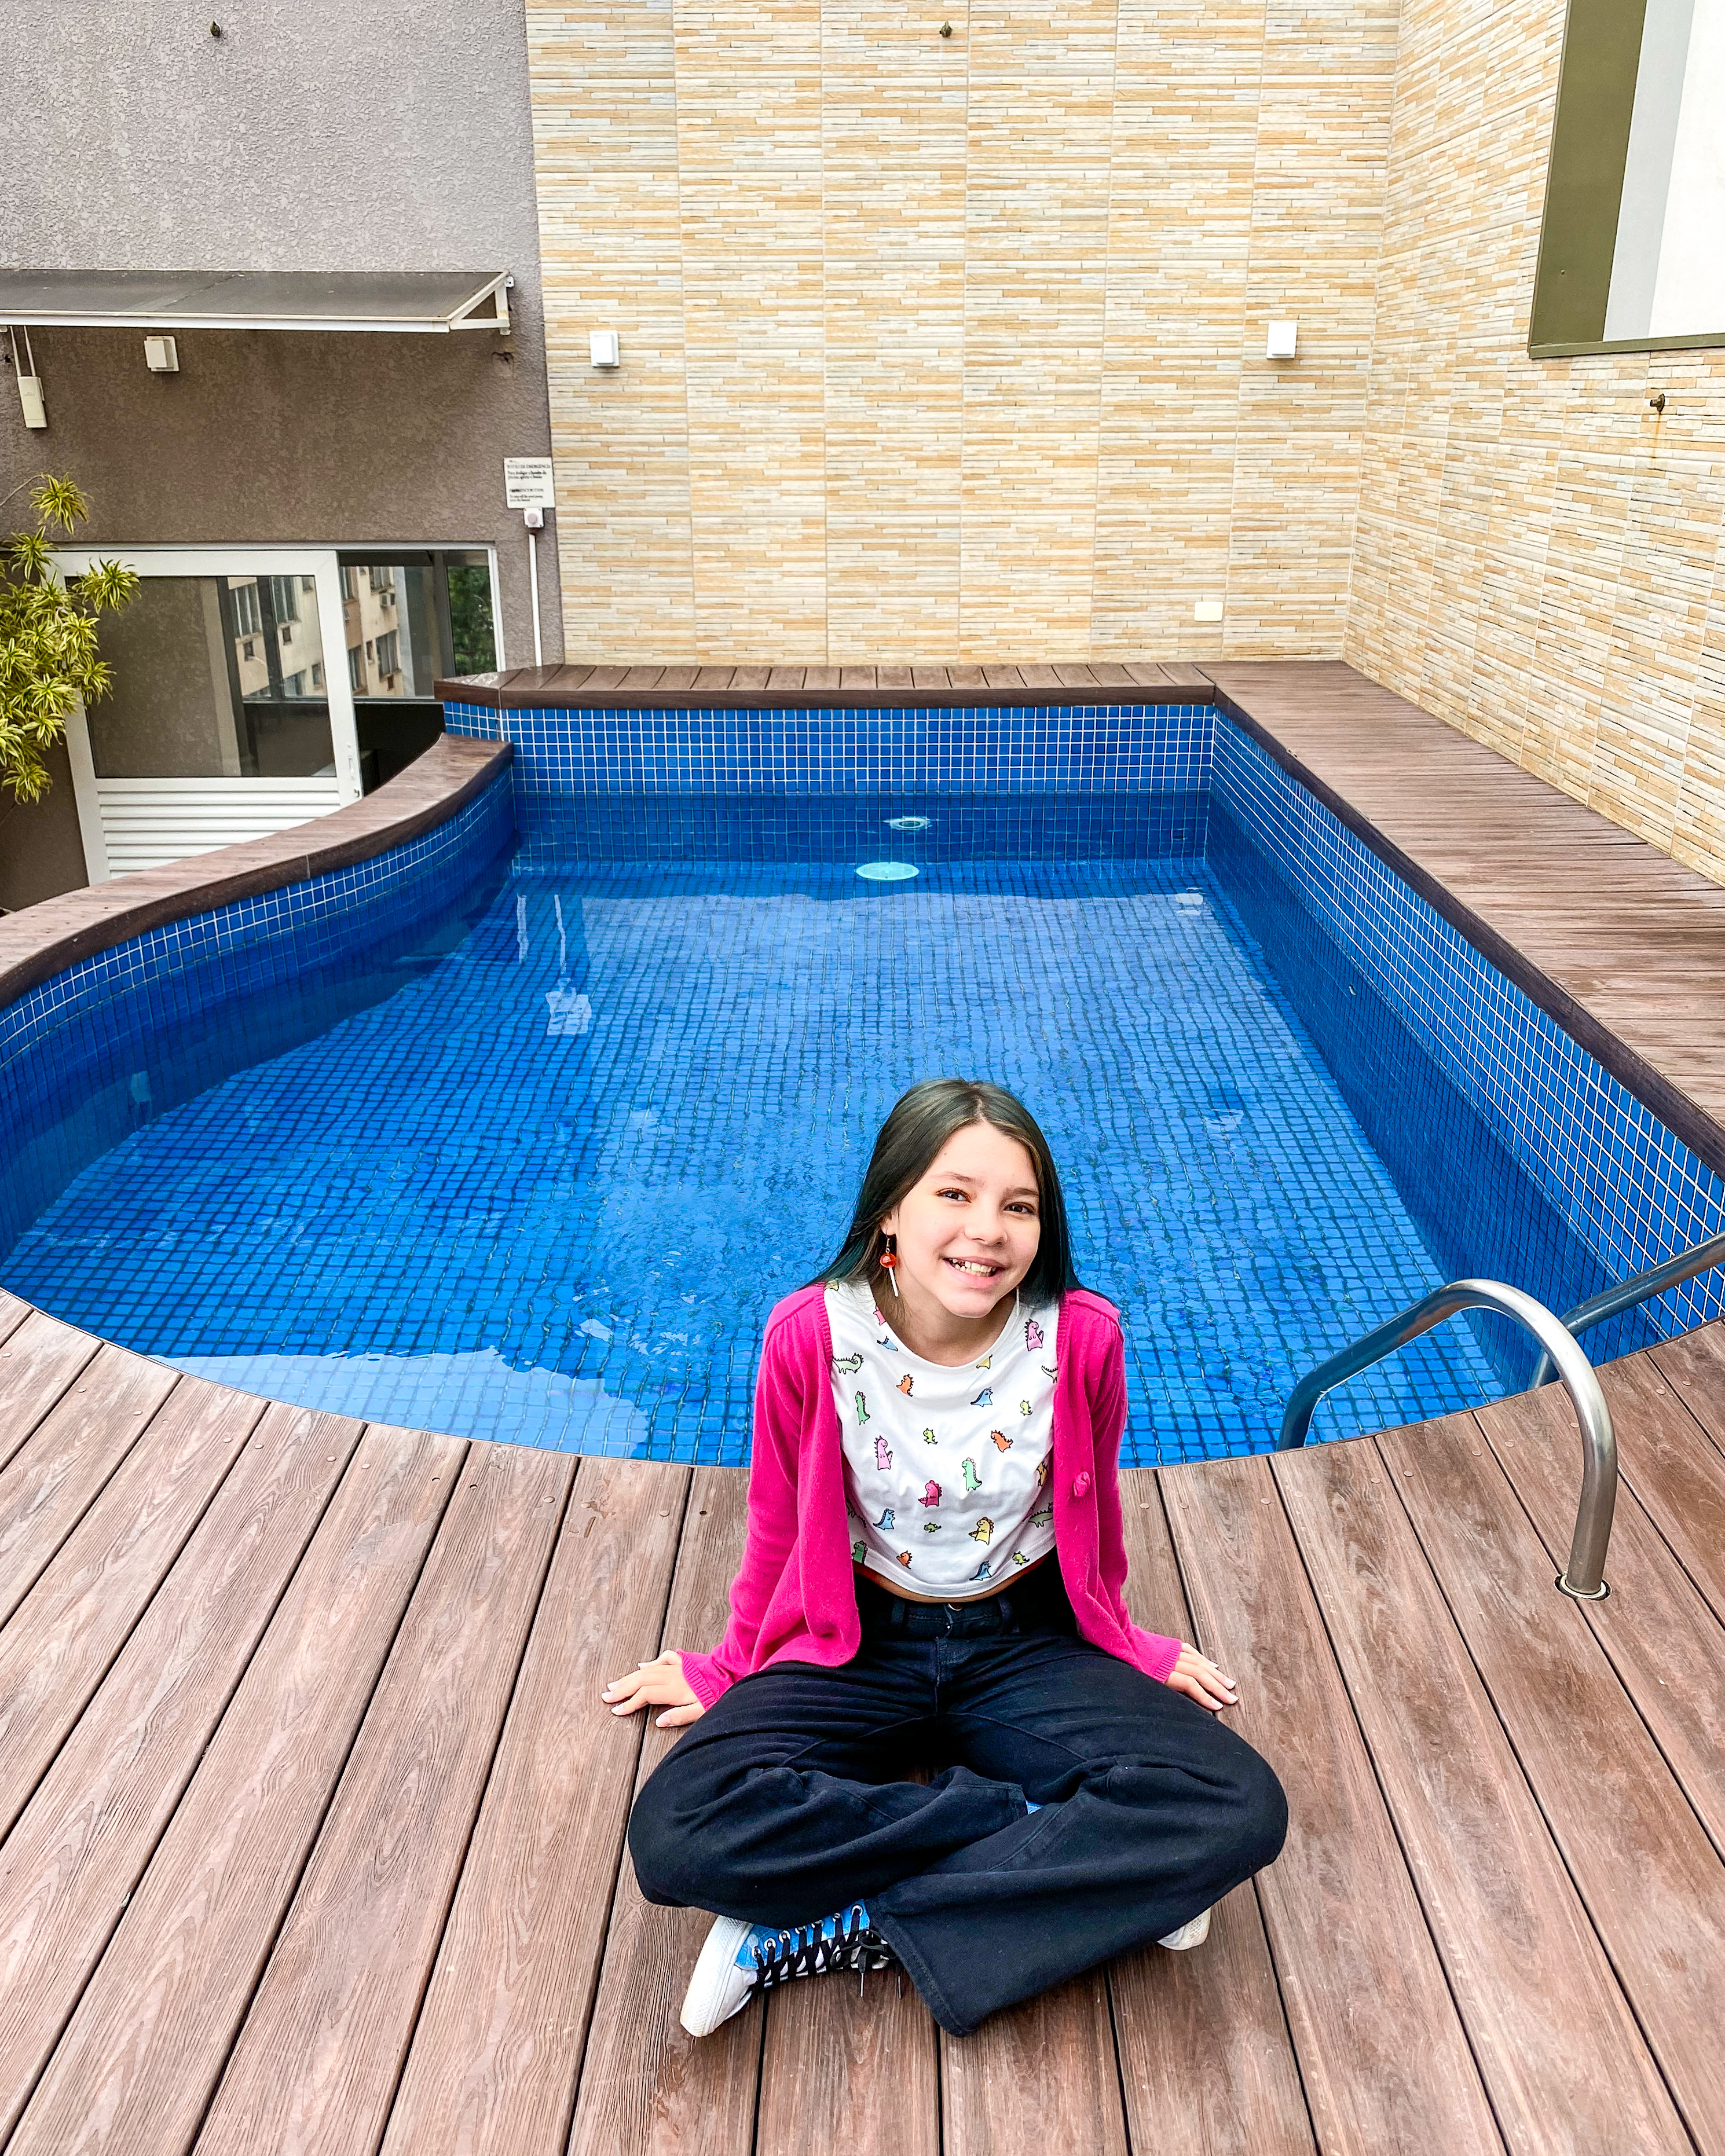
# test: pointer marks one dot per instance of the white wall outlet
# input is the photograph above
(161, 355)
(1207, 610)
(1283, 342)
(602, 346)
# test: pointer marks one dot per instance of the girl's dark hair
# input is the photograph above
(911, 1139)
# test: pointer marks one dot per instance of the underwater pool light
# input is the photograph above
(907, 823)
(888, 871)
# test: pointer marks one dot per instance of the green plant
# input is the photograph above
(47, 636)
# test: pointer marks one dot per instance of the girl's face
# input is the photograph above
(969, 1230)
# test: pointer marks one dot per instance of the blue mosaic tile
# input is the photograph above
(527, 1150)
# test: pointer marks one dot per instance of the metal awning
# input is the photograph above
(433, 299)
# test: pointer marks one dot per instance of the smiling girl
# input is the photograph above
(935, 1573)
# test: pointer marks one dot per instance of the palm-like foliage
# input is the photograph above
(48, 658)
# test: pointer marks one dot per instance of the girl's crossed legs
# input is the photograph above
(784, 1802)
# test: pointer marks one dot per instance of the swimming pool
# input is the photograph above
(531, 1155)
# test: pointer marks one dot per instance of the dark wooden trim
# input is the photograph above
(40, 941)
(827, 688)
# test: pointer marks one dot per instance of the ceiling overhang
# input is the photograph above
(424, 300)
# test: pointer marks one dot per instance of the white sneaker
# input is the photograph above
(739, 1959)
(1192, 1934)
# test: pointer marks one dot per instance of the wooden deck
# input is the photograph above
(313, 1824)
(838, 688)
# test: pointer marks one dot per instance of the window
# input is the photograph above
(356, 670)
(436, 606)
(308, 583)
(285, 597)
(287, 635)
(194, 697)
(317, 672)
(349, 581)
(1634, 201)
(388, 647)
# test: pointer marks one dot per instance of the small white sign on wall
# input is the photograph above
(527, 483)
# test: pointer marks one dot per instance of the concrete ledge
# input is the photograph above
(42, 939)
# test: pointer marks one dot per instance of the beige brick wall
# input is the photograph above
(1538, 558)
(953, 348)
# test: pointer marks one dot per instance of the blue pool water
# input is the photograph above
(538, 1171)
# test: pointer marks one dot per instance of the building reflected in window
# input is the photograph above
(409, 616)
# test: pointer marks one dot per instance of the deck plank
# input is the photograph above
(1694, 1366)
(316, 2063)
(709, 680)
(1668, 1459)
(1651, 1881)
(1205, 2057)
(1566, 2066)
(786, 677)
(931, 677)
(77, 1853)
(37, 1364)
(1041, 2076)
(1666, 1645)
(897, 677)
(493, 2067)
(822, 678)
(58, 1473)
(647, 2088)
(64, 1635)
(1382, 2058)
(14, 1310)
(148, 2041)
(850, 2066)
(858, 677)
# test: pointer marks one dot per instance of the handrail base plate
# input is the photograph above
(1581, 1594)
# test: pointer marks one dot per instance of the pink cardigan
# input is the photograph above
(794, 1600)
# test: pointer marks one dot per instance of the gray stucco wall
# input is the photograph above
(311, 134)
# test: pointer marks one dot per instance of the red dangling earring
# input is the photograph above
(889, 1263)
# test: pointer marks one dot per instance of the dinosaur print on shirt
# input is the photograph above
(964, 1449)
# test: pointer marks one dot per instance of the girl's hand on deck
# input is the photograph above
(1198, 1677)
(658, 1683)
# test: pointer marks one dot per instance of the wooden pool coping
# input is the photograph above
(311, 1820)
(39, 940)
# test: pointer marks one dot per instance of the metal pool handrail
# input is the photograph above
(1584, 1575)
(1699, 1258)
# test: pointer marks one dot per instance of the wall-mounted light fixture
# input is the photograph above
(1283, 341)
(602, 344)
(161, 355)
(1207, 610)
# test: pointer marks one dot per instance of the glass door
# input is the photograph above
(227, 719)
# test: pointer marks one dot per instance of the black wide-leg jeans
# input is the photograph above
(784, 1802)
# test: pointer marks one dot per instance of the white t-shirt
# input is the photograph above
(945, 1467)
